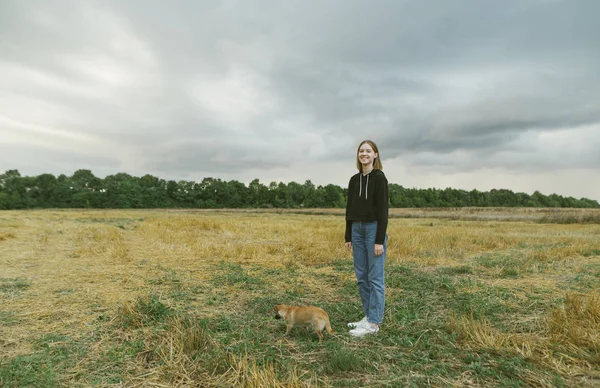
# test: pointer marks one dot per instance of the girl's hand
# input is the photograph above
(349, 245)
(378, 250)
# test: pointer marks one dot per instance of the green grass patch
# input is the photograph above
(14, 286)
(504, 370)
(8, 318)
(63, 291)
(583, 282)
(343, 360)
(170, 278)
(514, 265)
(234, 274)
(591, 252)
(144, 311)
(456, 270)
(47, 366)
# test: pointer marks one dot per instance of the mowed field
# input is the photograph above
(165, 298)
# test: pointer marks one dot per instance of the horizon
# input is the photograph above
(267, 183)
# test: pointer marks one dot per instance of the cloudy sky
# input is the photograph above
(470, 94)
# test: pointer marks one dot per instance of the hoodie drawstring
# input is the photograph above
(360, 186)
(366, 188)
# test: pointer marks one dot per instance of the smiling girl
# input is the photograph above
(366, 235)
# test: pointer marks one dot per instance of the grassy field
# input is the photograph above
(475, 297)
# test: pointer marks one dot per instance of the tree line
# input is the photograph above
(123, 191)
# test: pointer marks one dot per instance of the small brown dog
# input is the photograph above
(304, 315)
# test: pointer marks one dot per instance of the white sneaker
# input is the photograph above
(359, 323)
(364, 330)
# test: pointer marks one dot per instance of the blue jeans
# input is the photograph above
(369, 269)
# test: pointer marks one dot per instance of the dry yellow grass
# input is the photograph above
(79, 264)
(578, 321)
(244, 372)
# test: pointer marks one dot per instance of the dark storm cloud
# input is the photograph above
(181, 86)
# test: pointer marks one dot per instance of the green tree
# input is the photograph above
(258, 195)
(86, 190)
(14, 191)
(333, 196)
(45, 190)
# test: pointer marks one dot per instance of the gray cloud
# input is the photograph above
(223, 88)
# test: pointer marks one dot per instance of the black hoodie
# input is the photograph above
(368, 201)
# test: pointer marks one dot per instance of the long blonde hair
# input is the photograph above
(376, 163)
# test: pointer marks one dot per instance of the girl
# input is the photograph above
(366, 237)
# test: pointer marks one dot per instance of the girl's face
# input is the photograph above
(366, 155)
